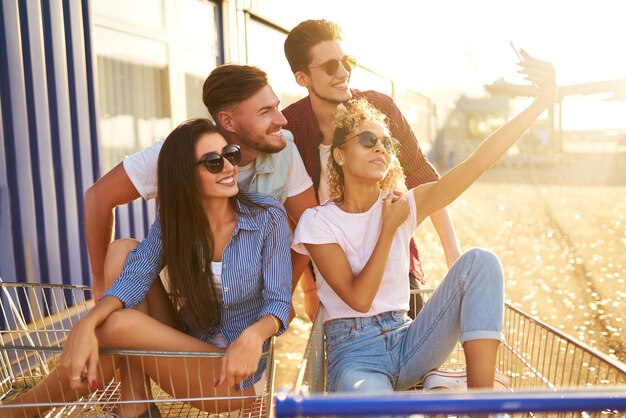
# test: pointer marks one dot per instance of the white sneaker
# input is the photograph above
(501, 382)
(445, 379)
(456, 380)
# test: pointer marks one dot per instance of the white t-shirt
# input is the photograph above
(357, 234)
(218, 339)
(324, 190)
(245, 175)
(141, 168)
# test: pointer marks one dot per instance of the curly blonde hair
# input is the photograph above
(348, 119)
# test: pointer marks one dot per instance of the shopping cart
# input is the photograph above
(35, 321)
(550, 373)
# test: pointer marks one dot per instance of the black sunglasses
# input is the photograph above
(214, 162)
(368, 139)
(331, 67)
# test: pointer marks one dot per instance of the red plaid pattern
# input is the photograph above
(418, 170)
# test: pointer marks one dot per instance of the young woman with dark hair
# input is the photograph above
(228, 262)
(359, 243)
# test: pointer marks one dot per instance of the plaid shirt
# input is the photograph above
(418, 170)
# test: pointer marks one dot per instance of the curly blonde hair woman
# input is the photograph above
(348, 119)
(359, 244)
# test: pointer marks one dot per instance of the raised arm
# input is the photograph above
(418, 170)
(113, 189)
(433, 196)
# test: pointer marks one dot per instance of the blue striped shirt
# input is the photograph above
(256, 272)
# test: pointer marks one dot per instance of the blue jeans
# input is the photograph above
(389, 352)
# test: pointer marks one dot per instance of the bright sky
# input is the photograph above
(447, 47)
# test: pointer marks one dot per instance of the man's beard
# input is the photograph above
(259, 142)
(329, 99)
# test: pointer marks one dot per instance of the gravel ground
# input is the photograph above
(559, 227)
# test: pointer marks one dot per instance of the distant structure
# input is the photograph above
(474, 118)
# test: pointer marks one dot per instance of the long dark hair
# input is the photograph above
(188, 242)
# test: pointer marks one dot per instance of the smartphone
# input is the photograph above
(517, 51)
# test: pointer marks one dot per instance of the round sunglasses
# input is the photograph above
(214, 162)
(331, 66)
(368, 139)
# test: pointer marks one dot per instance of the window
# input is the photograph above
(265, 50)
(133, 94)
(199, 50)
(134, 107)
(151, 69)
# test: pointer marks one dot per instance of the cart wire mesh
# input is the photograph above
(36, 319)
(550, 373)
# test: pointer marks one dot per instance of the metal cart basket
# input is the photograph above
(35, 321)
(551, 374)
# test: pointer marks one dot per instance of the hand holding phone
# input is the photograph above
(520, 56)
(540, 73)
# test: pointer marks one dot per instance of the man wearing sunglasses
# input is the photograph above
(320, 64)
(245, 108)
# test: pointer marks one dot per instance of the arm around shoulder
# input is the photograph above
(111, 190)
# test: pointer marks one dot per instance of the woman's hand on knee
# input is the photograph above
(241, 359)
(79, 358)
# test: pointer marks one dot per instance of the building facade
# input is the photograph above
(86, 82)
